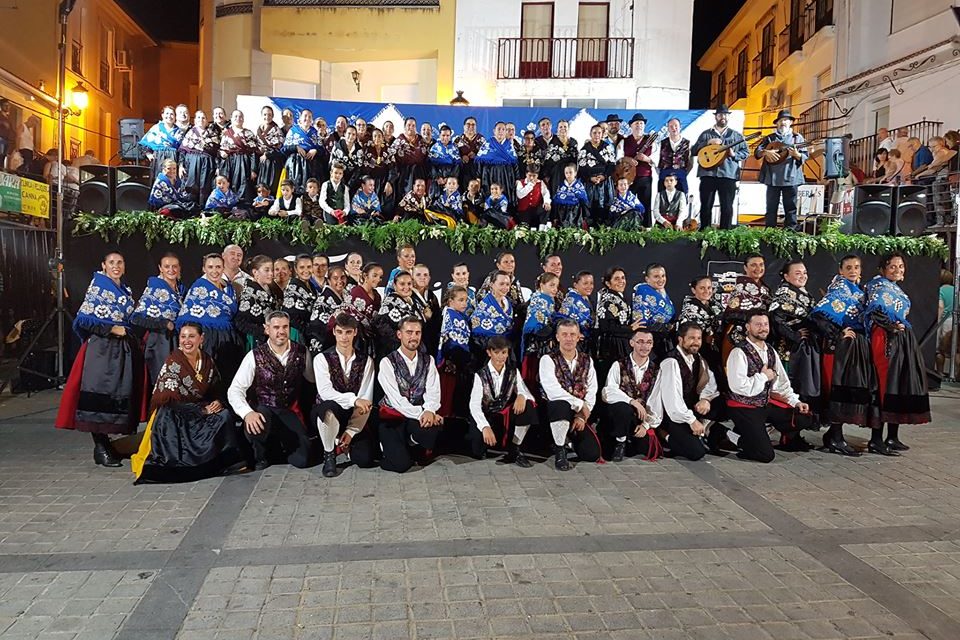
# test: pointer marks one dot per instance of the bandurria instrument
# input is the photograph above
(627, 167)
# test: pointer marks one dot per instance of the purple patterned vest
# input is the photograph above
(573, 382)
(496, 400)
(638, 390)
(754, 366)
(338, 378)
(275, 385)
(412, 387)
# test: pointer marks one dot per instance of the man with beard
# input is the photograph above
(760, 392)
(723, 178)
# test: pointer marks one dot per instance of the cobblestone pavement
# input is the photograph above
(811, 547)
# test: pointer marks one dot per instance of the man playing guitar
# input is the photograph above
(721, 179)
(783, 155)
(640, 146)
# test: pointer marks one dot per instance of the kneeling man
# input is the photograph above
(625, 395)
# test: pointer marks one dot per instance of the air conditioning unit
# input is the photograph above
(121, 59)
(772, 99)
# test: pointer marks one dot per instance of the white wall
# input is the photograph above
(379, 80)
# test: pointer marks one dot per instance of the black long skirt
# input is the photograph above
(269, 170)
(227, 348)
(157, 346)
(184, 444)
(443, 171)
(904, 397)
(159, 157)
(598, 197)
(849, 385)
(299, 170)
(503, 174)
(201, 169)
(237, 168)
(407, 173)
(568, 215)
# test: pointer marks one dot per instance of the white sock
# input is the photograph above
(519, 433)
(559, 430)
(733, 437)
(621, 438)
(329, 429)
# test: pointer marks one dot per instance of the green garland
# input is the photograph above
(219, 231)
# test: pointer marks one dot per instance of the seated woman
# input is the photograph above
(190, 435)
(169, 196)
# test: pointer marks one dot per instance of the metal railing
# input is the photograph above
(533, 58)
(717, 99)
(737, 88)
(814, 123)
(817, 15)
(863, 149)
(762, 65)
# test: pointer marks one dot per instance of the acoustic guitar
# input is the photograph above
(782, 149)
(627, 167)
(714, 154)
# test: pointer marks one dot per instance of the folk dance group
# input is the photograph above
(300, 361)
(359, 174)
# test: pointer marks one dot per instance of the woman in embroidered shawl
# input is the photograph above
(397, 305)
(901, 373)
(615, 324)
(701, 308)
(497, 161)
(596, 161)
(453, 353)
(537, 335)
(348, 151)
(444, 159)
(492, 317)
(460, 277)
(157, 312)
(270, 138)
(379, 162)
(257, 298)
(211, 302)
(507, 263)
(307, 157)
(792, 331)
(561, 151)
(190, 434)
(363, 303)
(411, 157)
(654, 309)
(238, 157)
(298, 296)
(849, 381)
(106, 391)
(570, 204)
(162, 141)
(330, 301)
(169, 195)
(576, 306)
(197, 156)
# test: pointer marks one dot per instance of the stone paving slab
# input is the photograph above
(762, 593)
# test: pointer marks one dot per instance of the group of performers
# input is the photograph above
(300, 361)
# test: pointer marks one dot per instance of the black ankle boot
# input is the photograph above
(516, 456)
(329, 464)
(618, 451)
(560, 458)
(103, 453)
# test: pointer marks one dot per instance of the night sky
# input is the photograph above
(180, 20)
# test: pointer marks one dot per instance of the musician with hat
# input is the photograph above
(783, 155)
(721, 179)
(613, 135)
(641, 147)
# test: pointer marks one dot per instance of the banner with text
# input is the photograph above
(22, 195)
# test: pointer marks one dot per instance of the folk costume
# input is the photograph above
(335, 201)
(453, 361)
(707, 316)
(319, 329)
(240, 163)
(558, 154)
(171, 198)
(577, 307)
(570, 206)
(444, 163)
(498, 163)
(627, 381)
(491, 318)
(298, 168)
(533, 198)
(643, 181)
(393, 309)
(159, 306)
(790, 309)
(221, 201)
(365, 208)
(379, 162)
(163, 142)
(411, 155)
(491, 405)
(271, 157)
(613, 330)
(627, 212)
(597, 161)
(675, 160)
(654, 309)
(341, 381)
(364, 307)
(672, 206)
(298, 302)
(738, 296)
(197, 157)
(411, 387)
(468, 148)
(537, 335)
(352, 159)
(213, 306)
(569, 386)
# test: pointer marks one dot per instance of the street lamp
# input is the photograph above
(355, 74)
(79, 97)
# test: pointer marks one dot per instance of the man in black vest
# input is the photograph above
(569, 382)
(760, 391)
(625, 395)
(499, 397)
(685, 396)
(408, 411)
(344, 398)
(335, 196)
(270, 377)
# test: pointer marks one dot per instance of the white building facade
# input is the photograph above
(617, 54)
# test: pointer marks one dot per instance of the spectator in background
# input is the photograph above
(880, 164)
(945, 308)
(25, 142)
(89, 157)
(884, 141)
(894, 168)
(6, 131)
(921, 155)
(902, 142)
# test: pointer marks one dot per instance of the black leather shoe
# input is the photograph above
(881, 449)
(515, 456)
(560, 458)
(104, 455)
(329, 464)
(839, 446)
(260, 465)
(896, 445)
(618, 449)
(795, 444)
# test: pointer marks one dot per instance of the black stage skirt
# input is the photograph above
(183, 444)
(902, 377)
(387, 203)
(849, 383)
(106, 390)
(227, 348)
(157, 346)
(503, 174)
(407, 173)
(269, 170)
(237, 168)
(468, 171)
(804, 370)
(299, 170)
(568, 215)
(159, 157)
(201, 169)
(598, 196)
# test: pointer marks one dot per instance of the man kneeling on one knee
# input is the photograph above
(344, 398)
(626, 393)
(500, 397)
(569, 383)
(760, 391)
(684, 398)
(408, 412)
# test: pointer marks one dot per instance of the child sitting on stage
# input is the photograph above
(533, 200)
(287, 204)
(263, 201)
(570, 201)
(626, 210)
(223, 200)
(495, 208)
(365, 207)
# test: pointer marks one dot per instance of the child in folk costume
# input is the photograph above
(570, 201)
(460, 276)
(223, 200)
(262, 202)
(626, 210)
(299, 298)
(533, 200)
(576, 306)
(497, 160)
(444, 157)
(596, 160)
(473, 202)
(308, 157)
(538, 329)
(453, 354)
(257, 299)
(670, 206)
(287, 204)
(495, 208)
(365, 207)
(310, 209)
(335, 196)
(500, 399)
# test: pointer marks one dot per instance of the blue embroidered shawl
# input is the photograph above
(165, 192)
(489, 319)
(571, 194)
(451, 201)
(220, 200)
(159, 301)
(576, 307)
(625, 204)
(445, 155)
(500, 203)
(887, 298)
(454, 333)
(497, 153)
(843, 304)
(651, 306)
(106, 304)
(306, 140)
(159, 137)
(208, 305)
(471, 298)
(363, 204)
(540, 314)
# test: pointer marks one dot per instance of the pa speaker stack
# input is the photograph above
(887, 210)
(131, 131)
(133, 187)
(96, 189)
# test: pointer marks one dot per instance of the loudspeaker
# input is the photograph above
(133, 188)
(871, 210)
(836, 158)
(96, 189)
(911, 211)
(131, 131)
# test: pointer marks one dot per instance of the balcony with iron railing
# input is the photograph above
(717, 99)
(863, 149)
(562, 58)
(814, 123)
(816, 15)
(762, 66)
(737, 88)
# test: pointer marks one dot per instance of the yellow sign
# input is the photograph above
(35, 198)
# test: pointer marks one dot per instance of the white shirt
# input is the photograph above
(239, 279)
(742, 385)
(387, 378)
(325, 390)
(25, 139)
(667, 395)
(237, 393)
(612, 393)
(297, 208)
(524, 188)
(682, 215)
(476, 394)
(888, 143)
(323, 196)
(553, 390)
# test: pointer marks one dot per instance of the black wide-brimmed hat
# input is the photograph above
(784, 114)
(612, 117)
(638, 117)
(722, 109)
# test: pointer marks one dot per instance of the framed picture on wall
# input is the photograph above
(74, 149)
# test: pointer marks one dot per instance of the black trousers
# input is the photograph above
(710, 187)
(789, 195)
(478, 448)
(618, 420)
(361, 446)
(585, 443)
(395, 440)
(533, 217)
(643, 188)
(751, 426)
(284, 438)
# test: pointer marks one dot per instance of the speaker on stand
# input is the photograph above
(131, 131)
(97, 183)
(836, 158)
(132, 188)
(872, 210)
